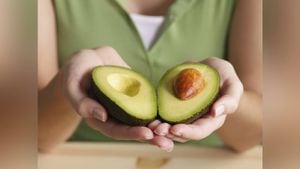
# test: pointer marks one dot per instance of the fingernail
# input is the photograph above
(220, 110)
(148, 136)
(98, 114)
(167, 149)
(177, 133)
(159, 132)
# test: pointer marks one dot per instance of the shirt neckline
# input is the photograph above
(147, 17)
(177, 9)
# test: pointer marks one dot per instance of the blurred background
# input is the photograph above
(18, 94)
(281, 82)
(18, 91)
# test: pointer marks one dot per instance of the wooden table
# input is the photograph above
(142, 156)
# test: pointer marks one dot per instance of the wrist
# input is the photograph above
(242, 129)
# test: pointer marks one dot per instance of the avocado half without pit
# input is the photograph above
(126, 95)
(184, 93)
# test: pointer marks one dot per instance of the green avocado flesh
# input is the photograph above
(174, 110)
(131, 98)
(126, 95)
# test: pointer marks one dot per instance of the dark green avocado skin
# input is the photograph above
(114, 110)
(195, 117)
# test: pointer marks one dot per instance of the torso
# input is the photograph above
(193, 30)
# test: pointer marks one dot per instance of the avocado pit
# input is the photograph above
(188, 83)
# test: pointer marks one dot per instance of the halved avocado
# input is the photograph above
(126, 95)
(175, 110)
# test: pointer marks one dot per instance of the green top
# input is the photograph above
(193, 30)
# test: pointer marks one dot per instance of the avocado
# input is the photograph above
(126, 95)
(185, 93)
(180, 104)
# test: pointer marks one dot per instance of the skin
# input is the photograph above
(63, 101)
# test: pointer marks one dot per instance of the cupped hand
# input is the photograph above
(231, 90)
(76, 81)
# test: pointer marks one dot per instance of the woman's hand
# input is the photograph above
(227, 103)
(76, 82)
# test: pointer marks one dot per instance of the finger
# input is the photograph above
(224, 67)
(200, 129)
(120, 131)
(234, 87)
(229, 101)
(154, 124)
(176, 138)
(162, 129)
(224, 105)
(79, 98)
(163, 143)
(76, 79)
(179, 139)
(110, 56)
(89, 108)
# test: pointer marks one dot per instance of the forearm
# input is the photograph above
(243, 129)
(56, 119)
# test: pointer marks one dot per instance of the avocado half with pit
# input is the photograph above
(126, 95)
(186, 92)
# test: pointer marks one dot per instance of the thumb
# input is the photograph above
(225, 105)
(232, 90)
(83, 104)
(89, 108)
(110, 56)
